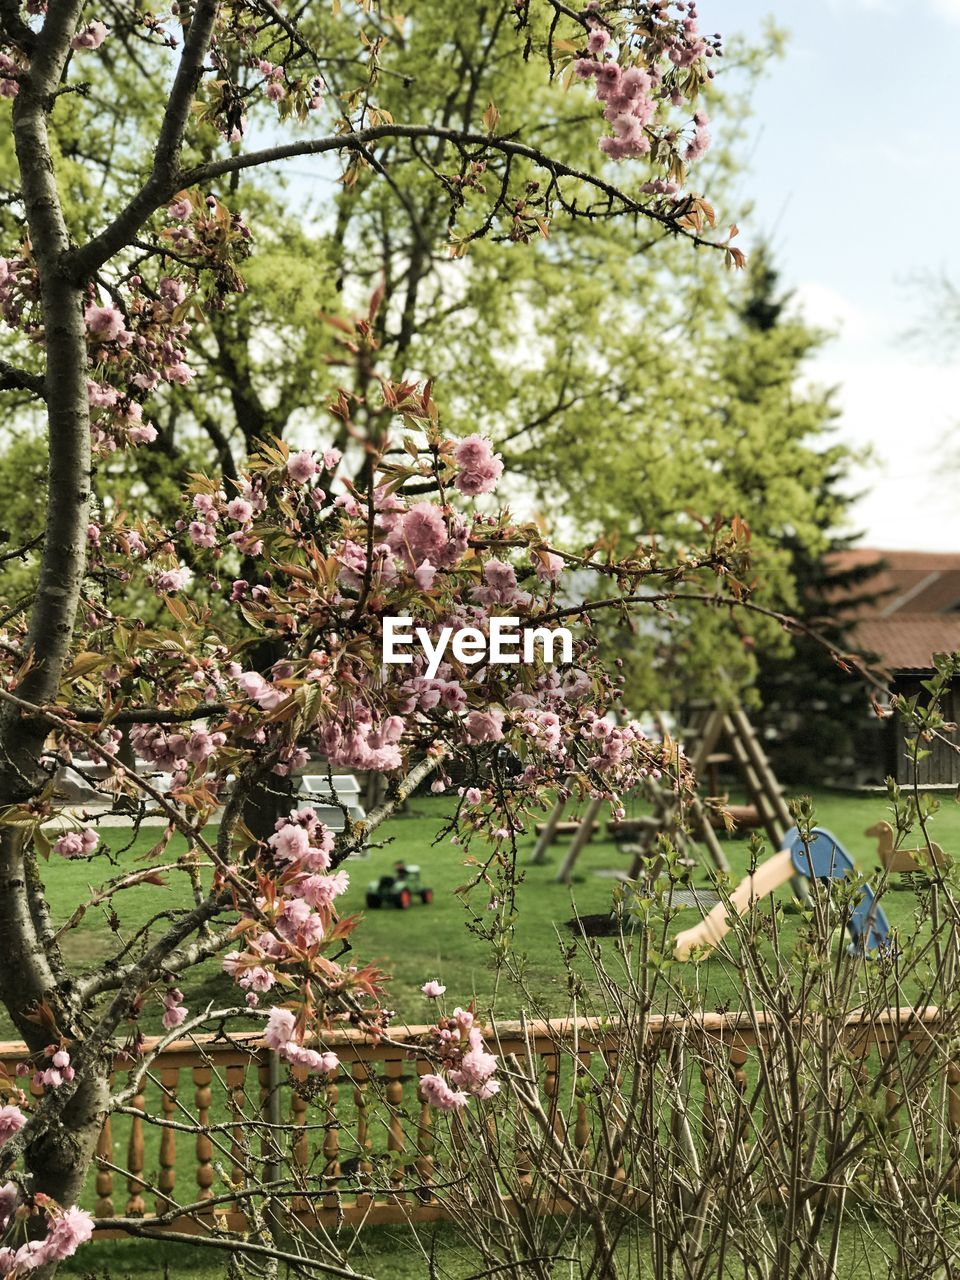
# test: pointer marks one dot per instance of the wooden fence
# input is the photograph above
(358, 1144)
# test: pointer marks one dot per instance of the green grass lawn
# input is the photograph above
(435, 941)
(396, 1253)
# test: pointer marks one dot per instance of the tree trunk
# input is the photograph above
(62, 1138)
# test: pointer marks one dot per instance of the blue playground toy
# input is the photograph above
(823, 859)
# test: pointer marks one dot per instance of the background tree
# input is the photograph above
(609, 355)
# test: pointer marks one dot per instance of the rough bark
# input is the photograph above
(61, 1144)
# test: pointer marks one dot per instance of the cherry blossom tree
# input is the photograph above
(310, 549)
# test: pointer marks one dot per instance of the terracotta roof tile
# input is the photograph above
(908, 641)
(911, 582)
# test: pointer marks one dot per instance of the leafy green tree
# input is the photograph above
(812, 710)
(606, 356)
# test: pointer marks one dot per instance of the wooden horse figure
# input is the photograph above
(903, 861)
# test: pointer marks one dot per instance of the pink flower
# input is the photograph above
(259, 690)
(70, 1230)
(91, 37)
(433, 989)
(420, 534)
(279, 1029)
(586, 68)
(74, 844)
(175, 1011)
(598, 39)
(101, 396)
(424, 575)
(312, 1059)
(698, 145)
(547, 565)
(290, 843)
(172, 290)
(301, 466)
(12, 1121)
(331, 458)
(320, 890)
(239, 509)
(103, 323)
(172, 580)
(480, 467)
(143, 433)
(438, 1094)
(472, 795)
(180, 209)
(483, 726)
(275, 92)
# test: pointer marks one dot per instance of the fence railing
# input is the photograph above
(215, 1115)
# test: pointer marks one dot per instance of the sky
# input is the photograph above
(854, 176)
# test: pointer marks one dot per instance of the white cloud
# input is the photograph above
(905, 409)
(826, 308)
(949, 9)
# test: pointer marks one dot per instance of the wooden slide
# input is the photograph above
(768, 876)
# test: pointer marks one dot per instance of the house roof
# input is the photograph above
(907, 642)
(914, 611)
(910, 581)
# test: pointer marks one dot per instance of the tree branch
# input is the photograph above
(86, 260)
(14, 379)
(164, 180)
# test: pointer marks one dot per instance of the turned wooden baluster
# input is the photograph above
(300, 1143)
(136, 1206)
(425, 1140)
(104, 1205)
(953, 1124)
(331, 1139)
(236, 1072)
(393, 1070)
(738, 1057)
(202, 1098)
(361, 1101)
(581, 1129)
(268, 1076)
(612, 1121)
(169, 1077)
(551, 1087)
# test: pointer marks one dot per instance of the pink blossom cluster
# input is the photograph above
(9, 71)
(282, 1035)
(478, 467)
(174, 1010)
(300, 911)
(91, 36)
(302, 840)
(59, 1071)
(424, 536)
(635, 84)
(19, 284)
(483, 726)
(66, 1231)
(175, 750)
(12, 1121)
(362, 740)
(467, 1066)
(500, 588)
(76, 844)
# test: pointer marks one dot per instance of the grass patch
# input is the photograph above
(435, 941)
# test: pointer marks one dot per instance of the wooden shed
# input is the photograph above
(915, 615)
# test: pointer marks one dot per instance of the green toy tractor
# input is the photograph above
(398, 889)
